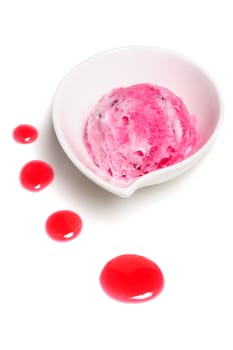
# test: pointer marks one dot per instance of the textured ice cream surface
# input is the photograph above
(138, 129)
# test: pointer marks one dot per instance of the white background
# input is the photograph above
(50, 296)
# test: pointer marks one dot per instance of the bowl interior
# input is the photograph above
(81, 89)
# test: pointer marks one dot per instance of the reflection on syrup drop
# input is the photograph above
(25, 133)
(63, 225)
(131, 278)
(36, 175)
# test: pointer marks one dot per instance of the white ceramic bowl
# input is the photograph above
(81, 89)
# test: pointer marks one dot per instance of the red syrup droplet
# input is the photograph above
(36, 175)
(63, 225)
(132, 279)
(25, 134)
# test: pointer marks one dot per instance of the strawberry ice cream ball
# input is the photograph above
(138, 129)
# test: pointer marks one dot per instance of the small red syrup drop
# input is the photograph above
(131, 278)
(36, 175)
(63, 225)
(25, 133)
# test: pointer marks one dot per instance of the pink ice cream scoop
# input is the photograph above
(138, 129)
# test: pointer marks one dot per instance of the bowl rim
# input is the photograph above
(129, 189)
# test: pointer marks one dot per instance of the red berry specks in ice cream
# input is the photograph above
(138, 129)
